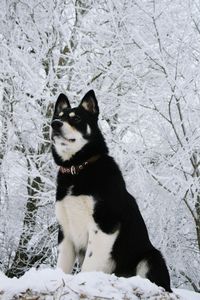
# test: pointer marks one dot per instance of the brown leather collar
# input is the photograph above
(76, 169)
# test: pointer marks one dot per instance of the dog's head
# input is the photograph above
(74, 128)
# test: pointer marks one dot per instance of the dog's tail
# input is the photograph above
(153, 267)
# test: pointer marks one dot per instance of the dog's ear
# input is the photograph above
(89, 103)
(61, 103)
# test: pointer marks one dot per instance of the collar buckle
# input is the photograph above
(73, 170)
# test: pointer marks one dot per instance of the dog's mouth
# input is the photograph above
(65, 139)
(68, 140)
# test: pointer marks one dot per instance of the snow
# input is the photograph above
(54, 284)
(187, 295)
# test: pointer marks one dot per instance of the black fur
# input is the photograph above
(115, 208)
(60, 234)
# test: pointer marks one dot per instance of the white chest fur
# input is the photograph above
(74, 214)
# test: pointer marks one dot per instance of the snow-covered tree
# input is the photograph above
(142, 59)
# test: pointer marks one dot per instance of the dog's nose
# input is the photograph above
(56, 124)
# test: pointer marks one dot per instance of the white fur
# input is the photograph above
(64, 105)
(98, 254)
(85, 105)
(75, 215)
(142, 268)
(66, 255)
(88, 130)
(65, 148)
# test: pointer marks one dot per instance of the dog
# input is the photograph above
(99, 221)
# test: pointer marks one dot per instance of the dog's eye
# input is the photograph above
(76, 119)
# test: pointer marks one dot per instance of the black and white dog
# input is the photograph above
(100, 222)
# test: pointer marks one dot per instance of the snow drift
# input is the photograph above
(54, 284)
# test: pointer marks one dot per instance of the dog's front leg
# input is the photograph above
(98, 253)
(66, 255)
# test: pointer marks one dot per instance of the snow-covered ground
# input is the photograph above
(52, 284)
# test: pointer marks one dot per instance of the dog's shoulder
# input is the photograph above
(108, 170)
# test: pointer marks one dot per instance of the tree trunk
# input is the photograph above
(23, 259)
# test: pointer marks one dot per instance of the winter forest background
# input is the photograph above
(142, 58)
